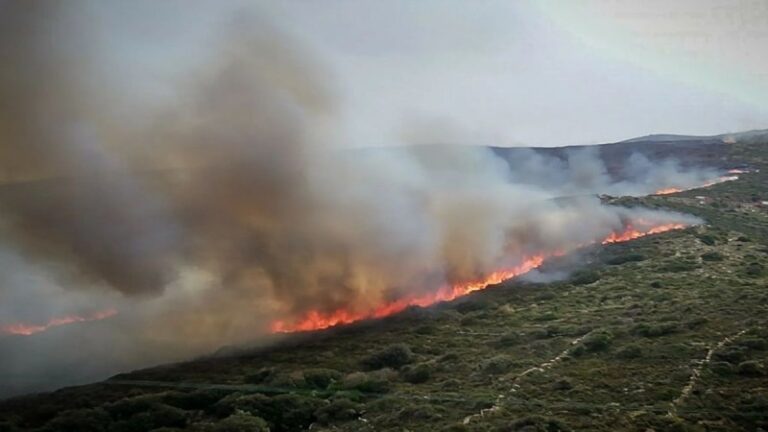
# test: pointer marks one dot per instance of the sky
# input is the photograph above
(545, 73)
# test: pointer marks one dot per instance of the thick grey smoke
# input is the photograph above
(233, 206)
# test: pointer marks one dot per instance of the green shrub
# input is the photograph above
(261, 376)
(656, 284)
(732, 354)
(754, 343)
(618, 260)
(712, 256)
(241, 422)
(338, 410)
(597, 341)
(393, 356)
(546, 316)
(750, 368)
(629, 352)
(471, 305)
(655, 330)
(195, 400)
(537, 424)
(495, 365)
(679, 266)
(721, 368)
(417, 374)
(585, 277)
(754, 269)
(285, 412)
(128, 407)
(368, 382)
(419, 411)
(321, 378)
(562, 384)
(707, 239)
(160, 415)
(81, 420)
(507, 340)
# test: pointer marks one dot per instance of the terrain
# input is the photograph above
(666, 333)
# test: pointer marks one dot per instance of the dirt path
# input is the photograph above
(696, 373)
(538, 368)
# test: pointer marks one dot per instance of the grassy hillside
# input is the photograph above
(665, 333)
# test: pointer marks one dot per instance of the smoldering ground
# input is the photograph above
(232, 203)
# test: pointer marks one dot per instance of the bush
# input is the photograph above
(370, 382)
(393, 356)
(338, 410)
(721, 368)
(562, 384)
(321, 378)
(82, 420)
(754, 343)
(679, 266)
(656, 284)
(195, 400)
(537, 424)
(618, 260)
(712, 256)
(655, 330)
(733, 354)
(507, 340)
(585, 277)
(754, 269)
(707, 239)
(597, 341)
(630, 352)
(160, 415)
(241, 422)
(417, 374)
(496, 365)
(419, 412)
(285, 412)
(261, 376)
(128, 407)
(750, 368)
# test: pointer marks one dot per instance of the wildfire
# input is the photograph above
(721, 179)
(24, 329)
(669, 190)
(318, 320)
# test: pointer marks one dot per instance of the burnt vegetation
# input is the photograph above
(665, 333)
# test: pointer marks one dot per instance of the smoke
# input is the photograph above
(233, 202)
(582, 171)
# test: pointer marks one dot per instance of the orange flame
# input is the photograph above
(721, 179)
(30, 329)
(318, 320)
(669, 190)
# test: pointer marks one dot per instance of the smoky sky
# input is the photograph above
(493, 72)
(204, 198)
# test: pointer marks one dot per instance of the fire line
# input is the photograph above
(318, 320)
(24, 329)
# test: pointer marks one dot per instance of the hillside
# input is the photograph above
(664, 333)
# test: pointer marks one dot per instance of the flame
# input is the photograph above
(24, 329)
(721, 179)
(318, 320)
(669, 190)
